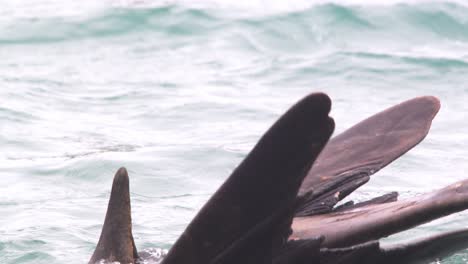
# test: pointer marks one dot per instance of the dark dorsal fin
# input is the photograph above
(374, 221)
(350, 158)
(251, 213)
(116, 241)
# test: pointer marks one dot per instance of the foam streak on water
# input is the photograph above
(179, 92)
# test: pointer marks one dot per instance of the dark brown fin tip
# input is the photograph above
(435, 101)
(121, 177)
(116, 240)
(433, 105)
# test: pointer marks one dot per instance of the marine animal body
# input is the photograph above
(280, 204)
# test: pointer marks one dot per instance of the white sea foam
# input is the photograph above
(68, 8)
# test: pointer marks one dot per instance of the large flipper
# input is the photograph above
(371, 222)
(249, 216)
(350, 158)
(116, 241)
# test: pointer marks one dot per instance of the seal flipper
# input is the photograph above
(116, 240)
(251, 212)
(351, 226)
(350, 158)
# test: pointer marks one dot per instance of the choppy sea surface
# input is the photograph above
(179, 91)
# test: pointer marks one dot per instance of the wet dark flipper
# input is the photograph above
(352, 226)
(249, 217)
(350, 158)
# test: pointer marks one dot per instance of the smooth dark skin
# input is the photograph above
(249, 219)
(351, 157)
(354, 226)
(116, 241)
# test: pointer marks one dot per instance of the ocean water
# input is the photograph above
(179, 91)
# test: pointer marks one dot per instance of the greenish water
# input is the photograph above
(178, 92)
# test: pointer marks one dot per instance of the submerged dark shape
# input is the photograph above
(276, 208)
